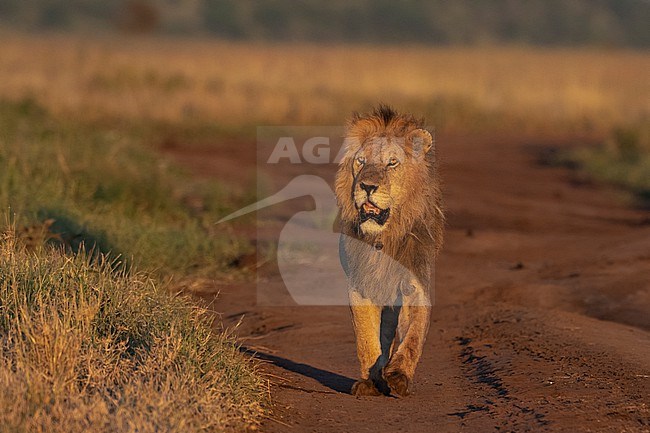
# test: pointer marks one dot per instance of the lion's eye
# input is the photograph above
(393, 162)
(361, 160)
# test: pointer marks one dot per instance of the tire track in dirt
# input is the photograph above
(557, 374)
(485, 374)
(532, 261)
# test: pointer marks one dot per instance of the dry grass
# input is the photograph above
(235, 84)
(87, 345)
(84, 348)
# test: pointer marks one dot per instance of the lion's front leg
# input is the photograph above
(412, 331)
(366, 319)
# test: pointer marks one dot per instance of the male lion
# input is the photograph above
(391, 230)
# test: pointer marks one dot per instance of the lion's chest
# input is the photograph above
(377, 276)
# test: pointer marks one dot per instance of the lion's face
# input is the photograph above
(388, 174)
(386, 182)
(378, 171)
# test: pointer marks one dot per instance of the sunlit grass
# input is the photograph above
(245, 84)
(84, 347)
(95, 232)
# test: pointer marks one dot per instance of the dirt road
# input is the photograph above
(541, 319)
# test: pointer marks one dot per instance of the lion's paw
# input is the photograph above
(398, 382)
(364, 387)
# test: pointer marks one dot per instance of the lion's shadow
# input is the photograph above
(331, 380)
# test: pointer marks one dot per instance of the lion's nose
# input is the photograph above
(368, 188)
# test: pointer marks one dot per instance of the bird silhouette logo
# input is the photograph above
(308, 247)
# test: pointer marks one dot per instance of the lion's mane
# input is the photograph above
(414, 233)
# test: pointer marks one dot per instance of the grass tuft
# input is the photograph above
(86, 348)
(622, 160)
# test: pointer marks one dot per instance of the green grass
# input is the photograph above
(104, 188)
(623, 160)
(96, 231)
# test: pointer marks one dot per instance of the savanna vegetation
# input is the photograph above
(103, 188)
(232, 85)
(96, 233)
(99, 229)
(86, 347)
(622, 159)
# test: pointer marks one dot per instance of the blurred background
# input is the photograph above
(539, 22)
(465, 64)
(201, 72)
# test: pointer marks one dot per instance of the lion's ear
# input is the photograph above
(421, 141)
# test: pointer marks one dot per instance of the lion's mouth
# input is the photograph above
(369, 211)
